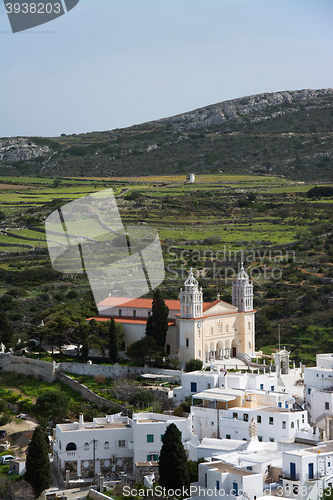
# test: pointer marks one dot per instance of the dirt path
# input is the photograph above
(19, 433)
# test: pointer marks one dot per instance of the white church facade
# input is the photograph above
(208, 331)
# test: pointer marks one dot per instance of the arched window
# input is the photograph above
(227, 328)
(86, 446)
(106, 445)
(168, 348)
(134, 313)
(249, 325)
(187, 342)
(71, 447)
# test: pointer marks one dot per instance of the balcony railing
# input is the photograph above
(288, 475)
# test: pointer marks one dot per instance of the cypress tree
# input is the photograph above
(173, 462)
(113, 344)
(157, 324)
(6, 332)
(38, 472)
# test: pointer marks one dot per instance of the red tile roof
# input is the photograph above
(125, 319)
(137, 303)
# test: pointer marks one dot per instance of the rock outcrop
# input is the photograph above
(20, 148)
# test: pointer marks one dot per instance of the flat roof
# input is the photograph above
(214, 395)
(224, 467)
(88, 426)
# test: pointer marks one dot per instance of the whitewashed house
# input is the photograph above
(113, 443)
(218, 479)
(306, 473)
(318, 389)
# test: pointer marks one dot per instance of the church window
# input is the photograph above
(199, 333)
(234, 326)
(134, 313)
(107, 446)
(187, 342)
(249, 325)
(211, 330)
(249, 345)
(119, 312)
(199, 354)
(219, 328)
(227, 328)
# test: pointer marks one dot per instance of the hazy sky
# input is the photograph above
(113, 63)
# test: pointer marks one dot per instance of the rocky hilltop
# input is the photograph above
(286, 133)
(252, 105)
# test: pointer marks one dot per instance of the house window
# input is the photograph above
(187, 342)
(279, 404)
(162, 437)
(235, 415)
(309, 391)
(107, 446)
(271, 421)
(246, 417)
(86, 446)
(258, 419)
(134, 313)
(208, 386)
(211, 424)
(292, 425)
(150, 438)
(227, 436)
(193, 387)
(217, 485)
(272, 388)
(271, 440)
(249, 467)
(327, 405)
(284, 424)
(119, 312)
(303, 418)
(121, 443)
(260, 438)
(152, 457)
(261, 387)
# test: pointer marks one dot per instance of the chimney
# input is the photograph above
(81, 422)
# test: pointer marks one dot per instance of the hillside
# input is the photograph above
(285, 133)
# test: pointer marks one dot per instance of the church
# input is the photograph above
(208, 331)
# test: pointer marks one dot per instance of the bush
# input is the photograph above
(193, 364)
(100, 379)
(145, 396)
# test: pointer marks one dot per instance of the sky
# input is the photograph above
(110, 64)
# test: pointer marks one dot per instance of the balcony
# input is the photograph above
(292, 477)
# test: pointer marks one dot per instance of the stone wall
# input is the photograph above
(43, 370)
(143, 469)
(114, 371)
(96, 495)
(87, 393)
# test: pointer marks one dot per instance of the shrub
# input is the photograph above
(193, 364)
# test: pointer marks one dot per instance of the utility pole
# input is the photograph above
(94, 459)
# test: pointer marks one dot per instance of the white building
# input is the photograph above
(218, 479)
(307, 472)
(318, 389)
(197, 329)
(201, 380)
(113, 443)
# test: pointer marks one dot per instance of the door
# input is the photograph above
(310, 471)
(234, 351)
(292, 470)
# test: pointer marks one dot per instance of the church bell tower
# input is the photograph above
(191, 298)
(242, 291)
